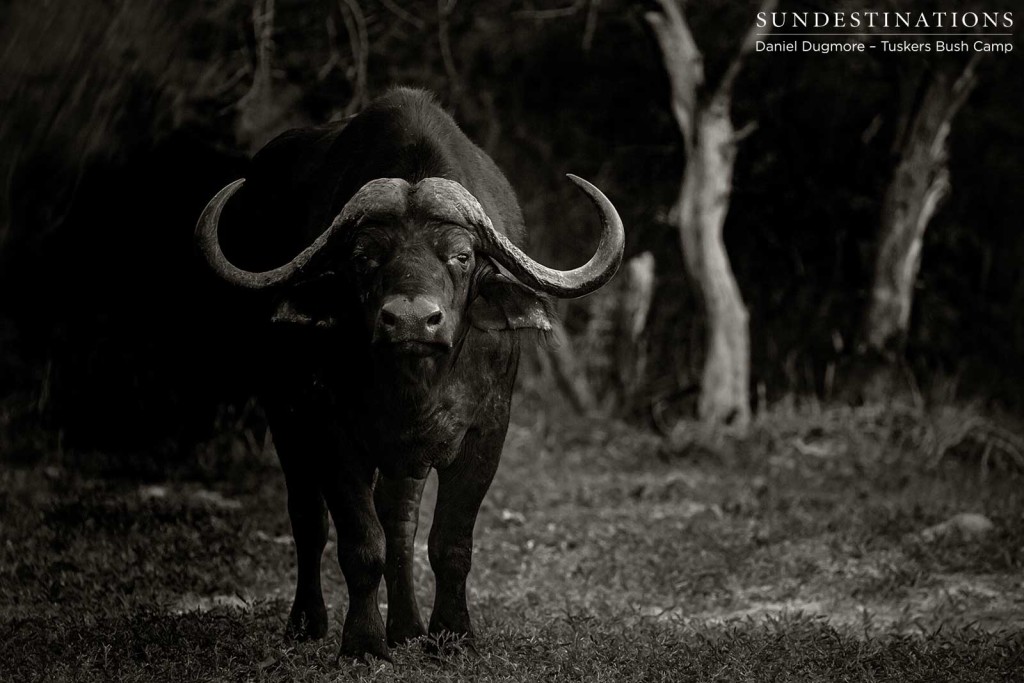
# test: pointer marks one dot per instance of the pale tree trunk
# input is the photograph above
(700, 216)
(265, 111)
(606, 364)
(559, 362)
(699, 213)
(919, 185)
(634, 306)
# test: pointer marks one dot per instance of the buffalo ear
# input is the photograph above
(287, 313)
(302, 306)
(502, 303)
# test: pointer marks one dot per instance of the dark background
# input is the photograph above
(121, 119)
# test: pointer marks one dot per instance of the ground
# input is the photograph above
(808, 551)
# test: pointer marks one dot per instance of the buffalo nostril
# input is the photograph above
(435, 319)
(388, 318)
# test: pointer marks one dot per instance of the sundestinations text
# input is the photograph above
(875, 19)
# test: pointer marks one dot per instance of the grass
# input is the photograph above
(602, 553)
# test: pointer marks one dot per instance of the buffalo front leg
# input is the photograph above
(461, 490)
(361, 554)
(308, 514)
(308, 617)
(398, 507)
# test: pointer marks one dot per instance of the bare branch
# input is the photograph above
(444, 9)
(913, 84)
(355, 26)
(872, 130)
(493, 135)
(683, 62)
(965, 84)
(744, 132)
(724, 89)
(591, 26)
(404, 14)
(557, 13)
(213, 90)
(263, 27)
(332, 46)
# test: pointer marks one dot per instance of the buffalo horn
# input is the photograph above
(564, 284)
(374, 194)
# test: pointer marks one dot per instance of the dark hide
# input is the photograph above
(358, 424)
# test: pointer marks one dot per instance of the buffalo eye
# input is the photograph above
(364, 262)
(462, 258)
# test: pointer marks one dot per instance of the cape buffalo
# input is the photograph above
(393, 346)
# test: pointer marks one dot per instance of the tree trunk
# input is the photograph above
(265, 111)
(699, 214)
(700, 217)
(919, 185)
(630, 345)
(559, 362)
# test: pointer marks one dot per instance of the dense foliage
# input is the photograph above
(122, 118)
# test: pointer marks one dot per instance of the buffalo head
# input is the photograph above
(425, 262)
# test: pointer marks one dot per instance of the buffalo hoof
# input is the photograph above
(364, 648)
(400, 634)
(306, 622)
